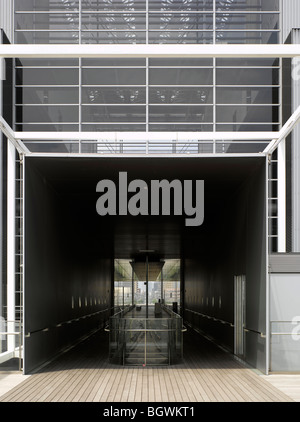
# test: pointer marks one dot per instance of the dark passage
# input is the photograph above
(70, 249)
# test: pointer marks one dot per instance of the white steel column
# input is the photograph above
(11, 195)
(281, 151)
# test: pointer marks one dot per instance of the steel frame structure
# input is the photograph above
(150, 51)
(78, 51)
(274, 139)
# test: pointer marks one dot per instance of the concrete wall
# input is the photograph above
(290, 17)
(236, 247)
(285, 322)
(62, 268)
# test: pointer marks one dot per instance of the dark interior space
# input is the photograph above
(69, 248)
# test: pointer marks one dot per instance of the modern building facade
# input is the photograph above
(155, 114)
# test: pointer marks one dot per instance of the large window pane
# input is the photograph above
(47, 95)
(46, 127)
(27, 76)
(180, 76)
(249, 37)
(180, 37)
(180, 95)
(240, 114)
(245, 62)
(181, 62)
(247, 21)
(47, 21)
(180, 21)
(253, 5)
(132, 62)
(247, 95)
(113, 76)
(124, 127)
(113, 113)
(38, 37)
(47, 62)
(113, 37)
(44, 5)
(113, 5)
(113, 21)
(200, 5)
(240, 76)
(246, 127)
(183, 127)
(118, 95)
(180, 114)
(56, 114)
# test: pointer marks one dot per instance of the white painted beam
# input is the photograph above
(11, 194)
(8, 132)
(149, 50)
(146, 136)
(281, 196)
(284, 132)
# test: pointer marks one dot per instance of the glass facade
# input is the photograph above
(189, 95)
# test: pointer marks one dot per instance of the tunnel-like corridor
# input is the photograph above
(70, 250)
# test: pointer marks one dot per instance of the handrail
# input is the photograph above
(66, 322)
(285, 334)
(211, 317)
(262, 335)
(169, 310)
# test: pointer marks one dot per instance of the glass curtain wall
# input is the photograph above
(140, 94)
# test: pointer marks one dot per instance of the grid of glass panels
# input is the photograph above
(146, 21)
(141, 94)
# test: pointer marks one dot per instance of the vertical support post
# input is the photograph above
(145, 344)
(132, 286)
(147, 278)
(281, 197)
(1, 194)
(11, 195)
(80, 78)
(147, 70)
(214, 79)
(162, 285)
(268, 339)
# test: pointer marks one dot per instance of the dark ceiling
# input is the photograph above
(75, 179)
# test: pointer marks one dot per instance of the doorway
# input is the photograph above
(145, 281)
(239, 314)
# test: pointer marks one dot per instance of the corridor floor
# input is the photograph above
(207, 374)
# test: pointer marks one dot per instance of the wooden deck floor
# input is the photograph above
(207, 374)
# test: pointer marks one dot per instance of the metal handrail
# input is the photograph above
(17, 333)
(211, 317)
(66, 322)
(254, 331)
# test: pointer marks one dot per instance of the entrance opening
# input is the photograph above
(81, 268)
(146, 327)
(163, 278)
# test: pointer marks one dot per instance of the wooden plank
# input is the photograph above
(132, 390)
(139, 383)
(207, 374)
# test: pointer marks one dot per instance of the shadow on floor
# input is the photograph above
(198, 352)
